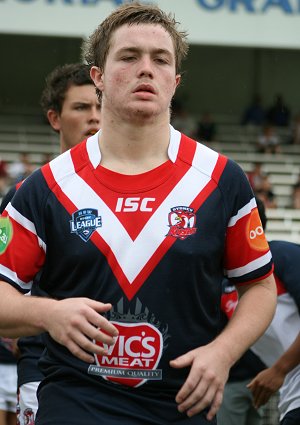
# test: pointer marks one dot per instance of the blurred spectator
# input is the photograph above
(181, 119)
(296, 194)
(268, 141)
(256, 176)
(295, 139)
(47, 157)
(255, 113)
(3, 178)
(20, 169)
(206, 128)
(279, 113)
(266, 194)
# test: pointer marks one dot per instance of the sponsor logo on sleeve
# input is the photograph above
(6, 232)
(255, 232)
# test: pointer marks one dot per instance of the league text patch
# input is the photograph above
(84, 222)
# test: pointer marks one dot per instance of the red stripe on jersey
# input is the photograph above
(229, 302)
(249, 230)
(28, 257)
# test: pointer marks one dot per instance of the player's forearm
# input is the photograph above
(290, 359)
(251, 318)
(21, 315)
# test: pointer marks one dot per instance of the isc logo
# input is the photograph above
(134, 204)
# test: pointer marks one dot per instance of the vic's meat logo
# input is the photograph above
(133, 358)
(182, 222)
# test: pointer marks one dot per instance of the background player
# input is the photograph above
(140, 214)
(70, 103)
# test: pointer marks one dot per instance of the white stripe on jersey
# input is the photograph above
(24, 222)
(13, 276)
(93, 150)
(175, 137)
(205, 159)
(250, 267)
(112, 231)
(242, 212)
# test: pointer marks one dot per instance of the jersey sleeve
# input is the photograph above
(23, 245)
(247, 253)
(286, 257)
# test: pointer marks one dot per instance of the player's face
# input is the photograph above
(139, 78)
(80, 116)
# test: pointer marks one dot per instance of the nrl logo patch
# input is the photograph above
(6, 232)
(182, 222)
(84, 222)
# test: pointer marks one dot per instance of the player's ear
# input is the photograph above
(97, 76)
(177, 82)
(54, 119)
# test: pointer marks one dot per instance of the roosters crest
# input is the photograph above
(182, 222)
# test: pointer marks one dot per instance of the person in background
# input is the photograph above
(129, 234)
(8, 382)
(70, 103)
(279, 346)
(237, 407)
(266, 193)
(206, 128)
(295, 137)
(254, 113)
(3, 178)
(268, 141)
(20, 169)
(256, 176)
(279, 114)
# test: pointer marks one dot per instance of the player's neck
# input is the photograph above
(130, 149)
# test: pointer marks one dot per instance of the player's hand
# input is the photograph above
(205, 383)
(264, 385)
(76, 322)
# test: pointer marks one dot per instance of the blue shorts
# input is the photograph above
(68, 403)
(292, 417)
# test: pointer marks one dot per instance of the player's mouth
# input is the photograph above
(144, 88)
(91, 132)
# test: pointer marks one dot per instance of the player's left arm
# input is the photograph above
(267, 382)
(210, 364)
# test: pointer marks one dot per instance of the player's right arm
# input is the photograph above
(73, 322)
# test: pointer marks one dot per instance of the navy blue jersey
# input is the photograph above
(286, 257)
(6, 353)
(155, 245)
